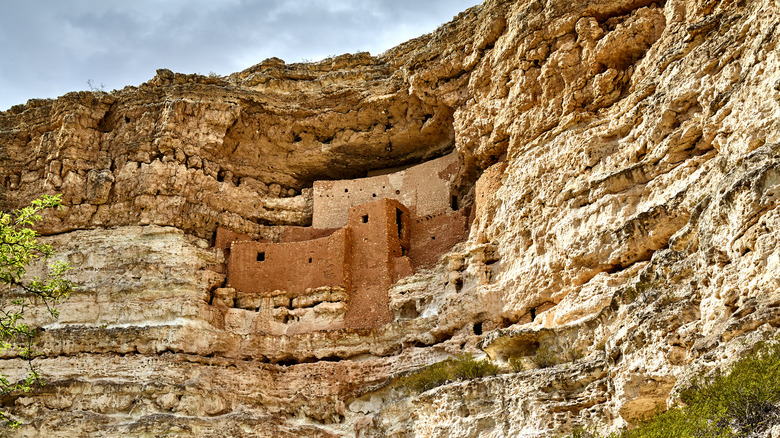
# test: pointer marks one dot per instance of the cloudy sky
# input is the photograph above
(50, 47)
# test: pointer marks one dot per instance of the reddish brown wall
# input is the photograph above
(299, 234)
(293, 267)
(424, 189)
(375, 246)
(364, 258)
(225, 237)
(433, 236)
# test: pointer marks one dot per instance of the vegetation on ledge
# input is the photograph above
(742, 402)
(463, 367)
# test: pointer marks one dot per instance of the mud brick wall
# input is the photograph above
(257, 267)
(434, 235)
(424, 189)
(224, 238)
(376, 243)
(299, 234)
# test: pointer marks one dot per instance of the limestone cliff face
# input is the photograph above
(622, 158)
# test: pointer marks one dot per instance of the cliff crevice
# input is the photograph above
(617, 160)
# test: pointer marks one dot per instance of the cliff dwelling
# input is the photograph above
(605, 231)
(366, 234)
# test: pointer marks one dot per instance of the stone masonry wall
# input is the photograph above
(364, 258)
(375, 245)
(424, 188)
(433, 236)
(258, 267)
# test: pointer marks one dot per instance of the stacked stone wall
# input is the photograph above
(434, 235)
(425, 189)
(258, 267)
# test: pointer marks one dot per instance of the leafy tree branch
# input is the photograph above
(18, 248)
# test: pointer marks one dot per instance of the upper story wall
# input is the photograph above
(424, 189)
(435, 235)
(379, 235)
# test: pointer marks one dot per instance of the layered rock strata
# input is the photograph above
(621, 158)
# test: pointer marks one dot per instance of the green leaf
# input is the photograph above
(18, 248)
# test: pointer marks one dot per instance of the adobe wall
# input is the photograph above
(260, 267)
(433, 236)
(224, 238)
(377, 241)
(487, 184)
(299, 234)
(424, 189)
(363, 259)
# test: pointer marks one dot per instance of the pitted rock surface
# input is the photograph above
(621, 159)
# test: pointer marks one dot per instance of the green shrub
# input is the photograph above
(464, 367)
(429, 377)
(745, 398)
(581, 432)
(19, 247)
(545, 357)
(641, 289)
(517, 364)
(739, 403)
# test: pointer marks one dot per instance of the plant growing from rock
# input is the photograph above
(642, 289)
(429, 377)
(581, 432)
(463, 367)
(467, 367)
(545, 357)
(517, 364)
(95, 88)
(18, 248)
(741, 402)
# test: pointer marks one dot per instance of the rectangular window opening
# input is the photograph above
(454, 203)
(399, 221)
(399, 215)
(261, 256)
(365, 218)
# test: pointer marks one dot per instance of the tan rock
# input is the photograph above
(620, 161)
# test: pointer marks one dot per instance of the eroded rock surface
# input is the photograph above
(622, 160)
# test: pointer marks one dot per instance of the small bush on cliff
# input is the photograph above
(641, 290)
(545, 357)
(429, 377)
(742, 402)
(580, 432)
(18, 248)
(464, 367)
(517, 363)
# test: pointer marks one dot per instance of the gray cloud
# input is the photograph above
(52, 47)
